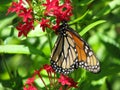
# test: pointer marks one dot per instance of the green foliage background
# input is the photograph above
(97, 21)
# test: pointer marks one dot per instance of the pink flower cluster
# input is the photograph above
(26, 14)
(55, 9)
(61, 82)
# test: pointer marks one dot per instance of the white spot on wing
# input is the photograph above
(90, 53)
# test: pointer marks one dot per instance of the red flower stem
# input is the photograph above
(67, 88)
(54, 77)
(61, 88)
(53, 80)
(42, 81)
(49, 78)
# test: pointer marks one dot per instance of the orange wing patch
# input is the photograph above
(79, 48)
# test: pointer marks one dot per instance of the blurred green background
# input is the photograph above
(98, 21)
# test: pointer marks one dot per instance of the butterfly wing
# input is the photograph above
(71, 51)
(86, 57)
(64, 54)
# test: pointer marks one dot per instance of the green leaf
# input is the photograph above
(79, 18)
(90, 26)
(14, 49)
(20, 49)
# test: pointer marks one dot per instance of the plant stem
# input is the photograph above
(49, 39)
(43, 81)
(5, 64)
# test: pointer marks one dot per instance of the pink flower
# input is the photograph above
(29, 85)
(25, 28)
(65, 80)
(55, 27)
(51, 6)
(30, 80)
(25, 14)
(15, 7)
(48, 68)
(44, 24)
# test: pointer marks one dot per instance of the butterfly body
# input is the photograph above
(71, 52)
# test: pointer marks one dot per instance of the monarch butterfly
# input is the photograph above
(71, 51)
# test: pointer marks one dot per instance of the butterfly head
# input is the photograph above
(62, 28)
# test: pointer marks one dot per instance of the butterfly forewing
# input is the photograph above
(56, 51)
(86, 57)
